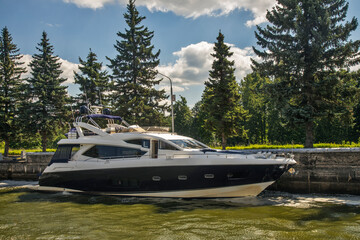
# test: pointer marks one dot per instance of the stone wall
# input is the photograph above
(29, 168)
(21, 170)
(323, 171)
(41, 157)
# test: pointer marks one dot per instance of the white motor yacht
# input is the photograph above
(128, 160)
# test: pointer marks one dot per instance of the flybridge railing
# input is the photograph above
(189, 156)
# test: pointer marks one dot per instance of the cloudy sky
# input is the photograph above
(184, 32)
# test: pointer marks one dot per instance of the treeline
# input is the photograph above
(300, 92)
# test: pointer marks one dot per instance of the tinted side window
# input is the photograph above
(166, 146)
(63, 153)
(135, 141)
(113, 152)
(92, 152)
(142, 142)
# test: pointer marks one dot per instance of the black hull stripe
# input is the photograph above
(160, 179)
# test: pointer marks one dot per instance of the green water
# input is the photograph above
(32, 215)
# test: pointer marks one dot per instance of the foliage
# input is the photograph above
(182, 117)
(133, 73)
(10, 82)
(16, 152)
(45, 110)
(355, 131)
(94, 82)
(255, 102)
(221, 97)
(303, 47)
(197, 127)
(294, 146)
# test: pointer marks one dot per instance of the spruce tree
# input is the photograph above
(94, 83)
(134, 75)
(198, 131)
(10, 83)
(254, 100)
(303, 47)
(183, 117)
(222, 99)
(46, 109)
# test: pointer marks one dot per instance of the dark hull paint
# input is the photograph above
(161, 179)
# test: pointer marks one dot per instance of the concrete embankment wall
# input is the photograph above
(323, 171)
(26, 169)
(317, 170)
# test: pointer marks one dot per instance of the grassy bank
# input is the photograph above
(14, 152)
(316, 145)
(252, 146)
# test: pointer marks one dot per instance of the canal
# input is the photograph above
(25, 214)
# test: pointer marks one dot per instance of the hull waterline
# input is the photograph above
(178, 182)
(221, 192)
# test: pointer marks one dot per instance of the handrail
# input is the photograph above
(172, 156)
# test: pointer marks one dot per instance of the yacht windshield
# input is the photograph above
(189, 144)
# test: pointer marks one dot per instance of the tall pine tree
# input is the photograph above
(10, 83)
(133, 73)
(304, 45)
(94, 83)
(222, 96)
(46, 109)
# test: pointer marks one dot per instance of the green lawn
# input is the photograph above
(252, 146)
(18, 151)
(316, 145)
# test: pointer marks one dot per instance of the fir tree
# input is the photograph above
(94, 83)
(304, 45)
(198, 131)
(222, 97)
(10, 83)
(254, 101)
(133, 73)
(183, 117)
(46, 108)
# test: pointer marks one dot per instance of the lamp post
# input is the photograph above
(171, 97)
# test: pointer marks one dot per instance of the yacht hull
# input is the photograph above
(170, 181)
(221, 192)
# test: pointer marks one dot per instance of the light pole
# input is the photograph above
(171, 97)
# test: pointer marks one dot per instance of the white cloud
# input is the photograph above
(194, 62)
(26, 59)
(94, 4)
(197, 8)
(66, 66)
(192, 66)
(193, 8)
(68, 69)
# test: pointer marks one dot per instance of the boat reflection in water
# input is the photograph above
(129, 160)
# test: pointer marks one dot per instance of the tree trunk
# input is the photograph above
(309, 139)
(43, 142)
(6, 149)
(223, 141)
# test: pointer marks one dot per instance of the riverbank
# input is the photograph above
(324, 170)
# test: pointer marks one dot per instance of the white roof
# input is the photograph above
(166, 136)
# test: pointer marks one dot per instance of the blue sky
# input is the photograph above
(184, 32)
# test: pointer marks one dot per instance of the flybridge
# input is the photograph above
(93, 128)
